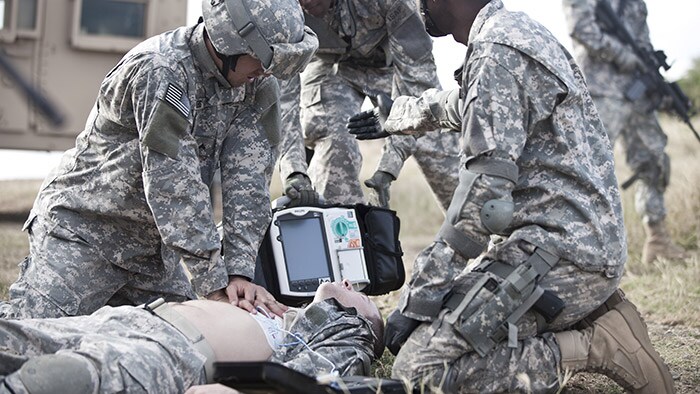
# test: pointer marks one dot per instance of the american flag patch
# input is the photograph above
(177, 98)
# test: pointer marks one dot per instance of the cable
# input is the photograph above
(334, 369)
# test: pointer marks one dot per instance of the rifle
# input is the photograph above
(652, 80)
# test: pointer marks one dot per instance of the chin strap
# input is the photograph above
(229, 63)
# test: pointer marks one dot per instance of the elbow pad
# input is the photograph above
(496, 215)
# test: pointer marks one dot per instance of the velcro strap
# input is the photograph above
(249, 32)
(495, 267)
(166, 312)
(462, 244)
(542, 261)
(518, 313)
(493, 166)
(458, 302)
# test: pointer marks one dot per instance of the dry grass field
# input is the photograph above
(667, 293)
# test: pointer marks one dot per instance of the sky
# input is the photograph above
(673, 25)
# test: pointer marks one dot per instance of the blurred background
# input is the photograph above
(672, 23)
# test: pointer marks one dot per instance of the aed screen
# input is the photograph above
(304, 248)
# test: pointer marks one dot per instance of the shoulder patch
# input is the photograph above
(176, 97)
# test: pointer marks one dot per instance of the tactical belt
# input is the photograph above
(485, 324)
(166, 312)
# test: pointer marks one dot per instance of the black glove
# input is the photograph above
(379, 183)
(398, 329)
(298, 188)
(369, 125)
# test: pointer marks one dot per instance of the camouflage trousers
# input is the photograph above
(644, 142)
(126, 348)
(436, 356)
(65, 276)
(332, 93)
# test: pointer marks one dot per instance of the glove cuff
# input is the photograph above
(385, 176)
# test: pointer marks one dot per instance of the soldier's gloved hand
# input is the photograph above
(369, 125)
(398, 329)
(380, 183)
(628, 62)
(298, 188)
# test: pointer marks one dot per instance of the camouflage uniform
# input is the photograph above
(642, 137)
(388, 51)
(523, 103)
(113, 221)
(132, 350)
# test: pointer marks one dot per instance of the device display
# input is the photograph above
(305, 254)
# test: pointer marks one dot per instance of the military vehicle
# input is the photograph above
(64, 48)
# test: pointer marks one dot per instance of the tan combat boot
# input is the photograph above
(660, 244)
(617, 345)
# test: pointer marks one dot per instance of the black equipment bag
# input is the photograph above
(381, 247)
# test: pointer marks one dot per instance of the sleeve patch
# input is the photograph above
(178, 99)
(165, 130)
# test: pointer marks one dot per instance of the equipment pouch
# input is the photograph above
(382, 248)
(486, 323)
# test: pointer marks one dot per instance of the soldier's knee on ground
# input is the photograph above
(59, 373)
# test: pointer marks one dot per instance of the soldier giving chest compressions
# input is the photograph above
(114, 220)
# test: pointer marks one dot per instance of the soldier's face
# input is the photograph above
(247, 69)
(316, 8)
(347, 296)
(430, 24)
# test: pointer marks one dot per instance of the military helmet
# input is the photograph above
(252, 26)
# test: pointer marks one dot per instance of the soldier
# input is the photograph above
(611, 67)
(168, 347)
(114, 220)
(367, 48)
(537, 207)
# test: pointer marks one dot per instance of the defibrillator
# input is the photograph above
(314, 245)
(310, 245)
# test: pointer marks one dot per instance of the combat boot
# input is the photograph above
(659, 244)
(617, 345)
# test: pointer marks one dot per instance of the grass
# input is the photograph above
(667, 292)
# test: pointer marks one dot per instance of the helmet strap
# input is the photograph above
(229, 63)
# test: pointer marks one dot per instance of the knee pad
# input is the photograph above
(59, 373)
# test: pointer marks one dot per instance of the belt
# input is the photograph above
(166, 312)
